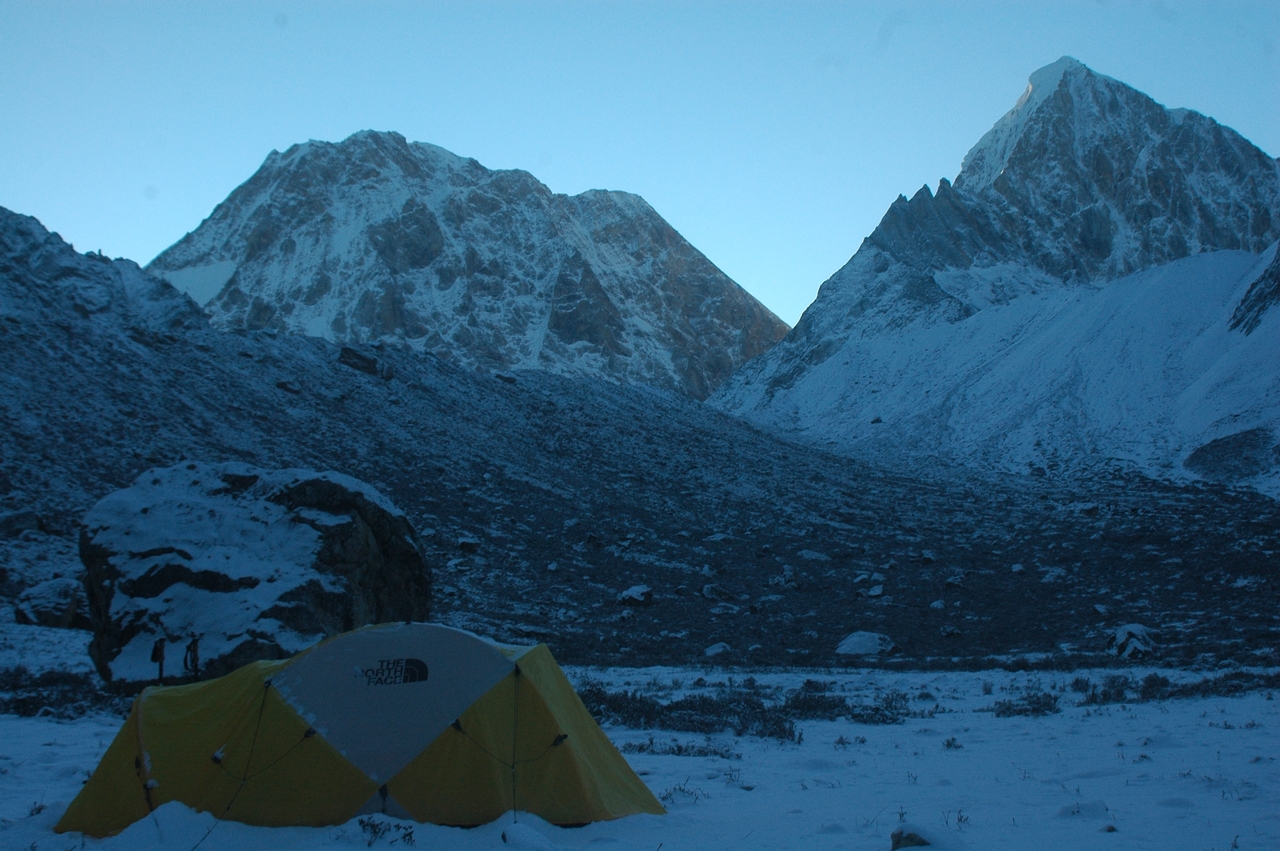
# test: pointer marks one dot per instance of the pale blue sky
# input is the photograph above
(772, 135)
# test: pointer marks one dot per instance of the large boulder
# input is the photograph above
(252, 563)
(57, 602)
(1133, 641)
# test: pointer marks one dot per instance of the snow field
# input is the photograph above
(41, 648)
(1178, 774)
(1141, 370)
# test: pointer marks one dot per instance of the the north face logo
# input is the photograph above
(392, 672)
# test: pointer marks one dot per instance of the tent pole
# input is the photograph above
(515, 723)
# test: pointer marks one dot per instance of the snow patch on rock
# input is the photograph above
(202, 283)
(865, 644)
(252, 563)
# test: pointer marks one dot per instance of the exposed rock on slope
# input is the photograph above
(1263, 294)
(254, 563)
(57, 602)
(47, 283)
(375, 238)
(934, 339)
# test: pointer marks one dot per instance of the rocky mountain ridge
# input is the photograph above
(542, 499)
(375, 239)
(1083, 185)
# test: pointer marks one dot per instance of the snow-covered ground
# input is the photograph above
(42, 649)
(1177, 774)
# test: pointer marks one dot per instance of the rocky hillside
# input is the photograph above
(543, 501)
(941, 336)
(378, 239)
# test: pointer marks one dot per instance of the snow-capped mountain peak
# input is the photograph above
(377, 239)
(1073, 195)
(987, 159)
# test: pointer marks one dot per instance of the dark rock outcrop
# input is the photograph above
(1236, 456)
(251, 563)
(1263, 294)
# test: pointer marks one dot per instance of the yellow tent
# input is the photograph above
(414, 720)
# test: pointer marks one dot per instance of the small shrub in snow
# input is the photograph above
(376, 829)
(952, 744)
(811, 702)
(62, 694)
(684, 790)
(1114, 689)
(1153, 687)
(895, 700)
(733, 777)
(746, 715)
(743, 712)
(742, 708)
(891, 708)
(1034, 703)
(1234, 682)
(677, 748)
